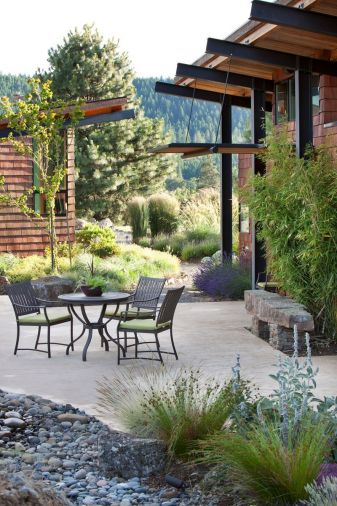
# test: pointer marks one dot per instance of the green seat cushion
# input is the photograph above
(138, 325)
(270, 284)
(40, 319)
(131, 313)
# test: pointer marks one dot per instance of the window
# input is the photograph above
(285, 98)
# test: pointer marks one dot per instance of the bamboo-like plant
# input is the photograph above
(295, 206)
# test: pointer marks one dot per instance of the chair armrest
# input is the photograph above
(27, 307)
(51, 303)
(144, 300)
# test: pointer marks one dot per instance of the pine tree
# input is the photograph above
(112, 159)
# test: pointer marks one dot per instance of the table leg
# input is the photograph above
(85, 349)
(103, 339)
(71, 344)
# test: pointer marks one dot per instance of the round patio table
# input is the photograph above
(78, 300)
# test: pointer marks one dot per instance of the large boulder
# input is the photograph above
(17, 489)
(50, 287)
(127, 456)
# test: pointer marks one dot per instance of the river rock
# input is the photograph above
(15, 423)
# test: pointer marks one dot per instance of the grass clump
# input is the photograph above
(178, 407)
(163, 214)
(263, 467)
(138, 212)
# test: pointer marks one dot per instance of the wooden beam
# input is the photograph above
(270, 57)
(219, 76)
(300, 19)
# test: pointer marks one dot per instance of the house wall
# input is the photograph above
(323, 134)
(22, 235)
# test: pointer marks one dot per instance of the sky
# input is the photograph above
(156, 34)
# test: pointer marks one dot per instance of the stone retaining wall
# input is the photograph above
(274, 318)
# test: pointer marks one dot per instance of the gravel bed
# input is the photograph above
(58, 445)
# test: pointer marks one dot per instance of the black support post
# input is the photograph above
(226, 181)
(258, 132)
(303, 111)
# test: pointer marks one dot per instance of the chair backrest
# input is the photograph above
(148, 288)
(169, 305)
(24, 295)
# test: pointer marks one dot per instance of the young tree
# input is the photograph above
(113, 159)
(36, 124)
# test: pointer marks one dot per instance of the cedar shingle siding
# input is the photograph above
(18, 233)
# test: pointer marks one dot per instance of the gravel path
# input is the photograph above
(59, 445)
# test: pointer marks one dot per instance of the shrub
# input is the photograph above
(295, 204)
(195, 250)
(98, 241)
(228, 280)
(262, 466)
(202, 211)
(7, 263)
(180, 408)
(123, 271)
(322, 495)
(163, 214)
(139, 217)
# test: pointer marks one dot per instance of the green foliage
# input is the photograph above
(201, 211)
(121, 271)
(324, 494)
(7, 263)
(98, 241)
(36, 116)
(194, 244)
(295, 204)
(97, 282)
(179, 408)
(138, 217)
(12, 85)
(163, 214)
(113, 159)
(261, 466)
(196, 250)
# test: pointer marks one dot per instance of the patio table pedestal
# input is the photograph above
(78, 300)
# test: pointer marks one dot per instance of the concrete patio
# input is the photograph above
(207, 334)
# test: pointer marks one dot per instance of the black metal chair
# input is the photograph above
(163, 322)
(32, 312)
(142, 303)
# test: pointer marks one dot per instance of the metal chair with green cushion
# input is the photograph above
(143, 302)
(32, 312)
(163, 322)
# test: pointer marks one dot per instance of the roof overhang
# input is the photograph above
(280, 34)
(93, 113)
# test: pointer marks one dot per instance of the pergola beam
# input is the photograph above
(291, 17)
(220, 76)
(197, 94)
(270, 57)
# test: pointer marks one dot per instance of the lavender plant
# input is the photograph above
(228, 280)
